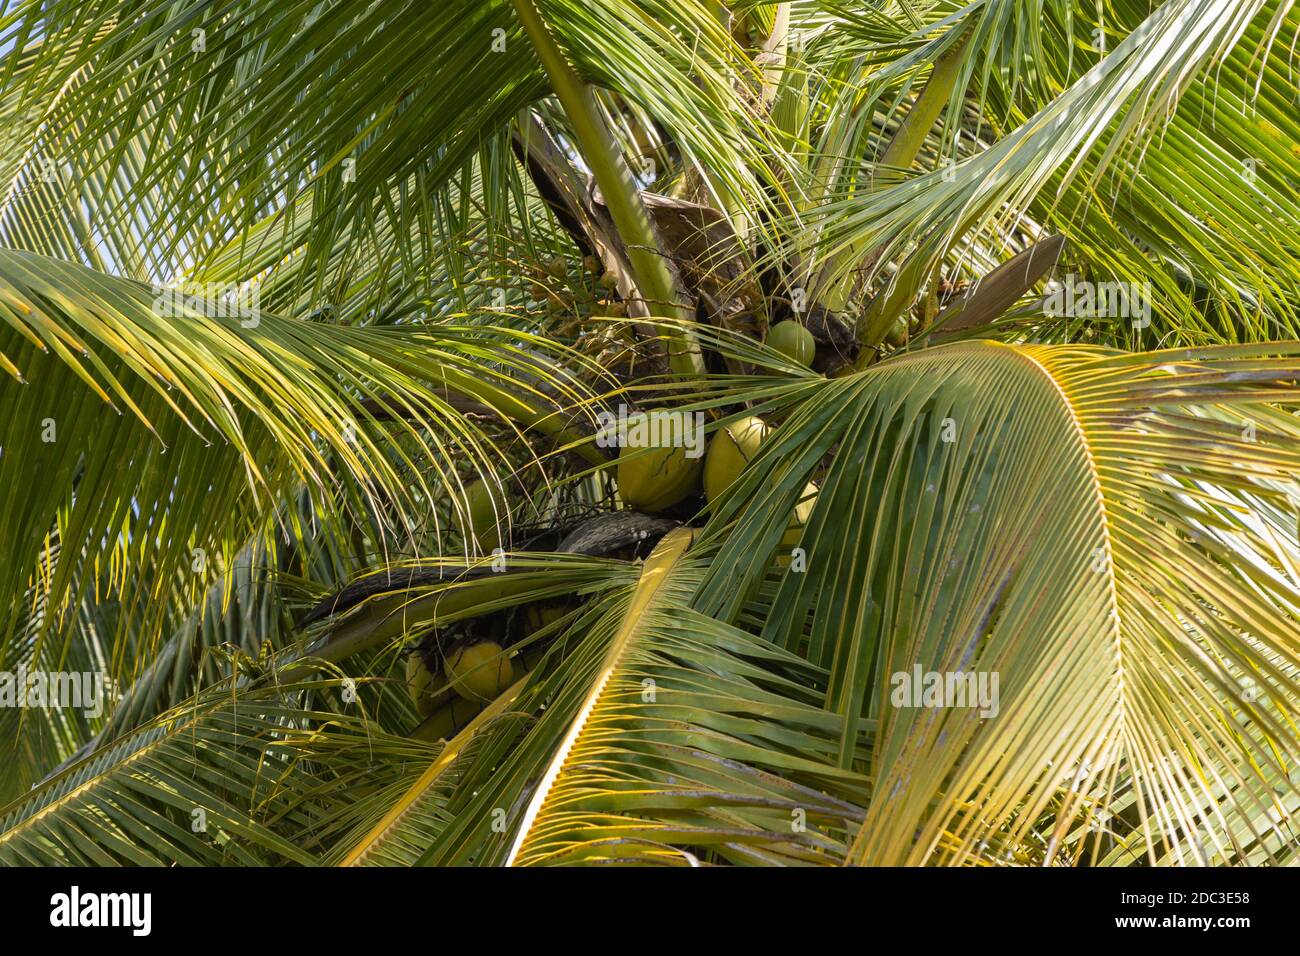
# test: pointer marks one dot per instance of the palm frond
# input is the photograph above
(238, 778)
(203, 427)
(1110, 536)
(1120, 98)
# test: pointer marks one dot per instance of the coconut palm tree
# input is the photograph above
(317, 548)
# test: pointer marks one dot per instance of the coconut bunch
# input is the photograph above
(453, 673)
(659, 479)
(669, 473)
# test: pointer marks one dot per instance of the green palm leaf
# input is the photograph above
(716, 750)
(204, 428)
(242, 779)
(1074, 522)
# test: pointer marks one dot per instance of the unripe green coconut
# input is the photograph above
(423, 684)
(730, 450)
(480, 671)
(898, 333)
(794, 530)
(542, 614)
(794, 341)
(654, 478)
(448, 720)
(479, 519)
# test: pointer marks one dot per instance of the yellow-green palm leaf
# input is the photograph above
(1112, 535)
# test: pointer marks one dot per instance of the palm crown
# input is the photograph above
(314, 317)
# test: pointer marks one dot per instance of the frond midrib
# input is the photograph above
(658, 567)
(1103, 512)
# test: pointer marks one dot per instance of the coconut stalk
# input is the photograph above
(651, 268)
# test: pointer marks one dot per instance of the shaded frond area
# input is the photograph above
(244, 777)
(146, 443)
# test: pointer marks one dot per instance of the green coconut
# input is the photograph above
(798, 521)
(479, 519)
(793, 341)
(652, 478)
(730, 450)
(448, 720)
(542, 614)
(423, 685)
(479, 672)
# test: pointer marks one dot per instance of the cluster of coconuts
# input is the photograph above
(475, 672)
(447, 697)
(650, 480)
(450, 690)
(730, 451)
(656, 478)
(448, 693)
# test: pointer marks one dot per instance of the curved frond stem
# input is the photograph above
(654, 271)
